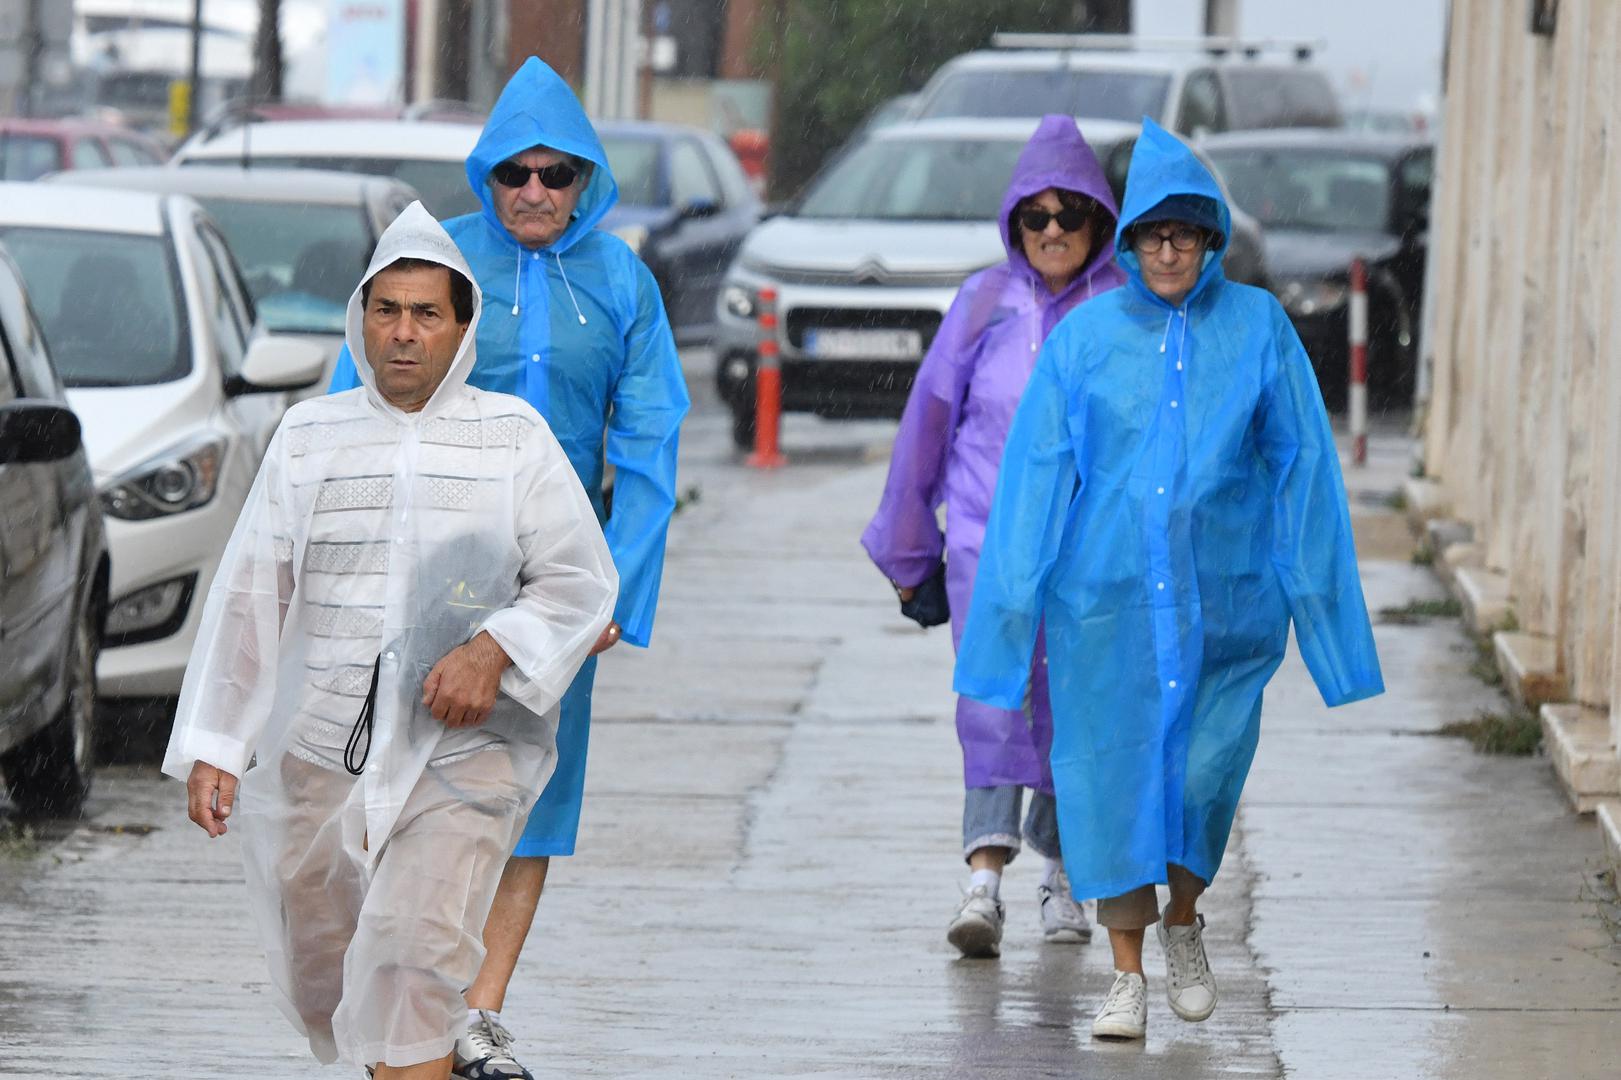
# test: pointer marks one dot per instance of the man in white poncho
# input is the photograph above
(415, 580)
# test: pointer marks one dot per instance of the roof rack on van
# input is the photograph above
(1214, 45)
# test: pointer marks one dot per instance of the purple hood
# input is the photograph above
(1058, 157)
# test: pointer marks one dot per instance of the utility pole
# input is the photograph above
(33, 52)
(267, 60)
(196, 69)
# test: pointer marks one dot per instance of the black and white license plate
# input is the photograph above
(835, 344)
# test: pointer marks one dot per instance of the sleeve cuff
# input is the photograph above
(220, 751)
(1001, 697)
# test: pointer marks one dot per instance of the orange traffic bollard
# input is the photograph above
(1358, 397)
(768, 389)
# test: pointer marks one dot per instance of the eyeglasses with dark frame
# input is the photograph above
(1146, 240)
(554, 177)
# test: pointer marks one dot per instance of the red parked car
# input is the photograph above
(31, 148)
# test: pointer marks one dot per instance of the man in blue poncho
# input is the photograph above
(1169, 501)
(573, 324)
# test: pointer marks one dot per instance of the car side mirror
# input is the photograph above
(37, 432)
(698, 209)
(276, 363)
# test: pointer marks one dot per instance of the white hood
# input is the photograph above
(415, 235)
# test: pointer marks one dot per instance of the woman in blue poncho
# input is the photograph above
(1170, 499)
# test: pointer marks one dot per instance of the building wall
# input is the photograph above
(1524, 422)
(553, 30)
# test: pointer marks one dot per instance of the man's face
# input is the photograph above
(411, 333)
(534, 214)
(1170, 272)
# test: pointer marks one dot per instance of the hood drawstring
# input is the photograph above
(517, 286)
(1183, 341)
(569, 287)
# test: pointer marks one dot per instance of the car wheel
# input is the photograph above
(49, 774)
(743, 424)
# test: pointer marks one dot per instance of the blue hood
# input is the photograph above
(538, 108)
(1162, 167)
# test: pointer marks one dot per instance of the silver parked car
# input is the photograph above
(867, 262)
(54, 572)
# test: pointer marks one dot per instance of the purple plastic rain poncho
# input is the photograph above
(949, 445)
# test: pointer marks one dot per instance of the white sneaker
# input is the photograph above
(485, 1053)
(1124, 1014)
(1063, 918)
(1189, 984)
(977, 929)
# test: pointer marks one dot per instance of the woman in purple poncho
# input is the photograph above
(1058, 222)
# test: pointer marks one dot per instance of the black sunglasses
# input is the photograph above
(1069, 219)
(555, 176)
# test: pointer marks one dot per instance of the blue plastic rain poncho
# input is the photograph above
(579, 331)
(1170, 498)
(949, 444)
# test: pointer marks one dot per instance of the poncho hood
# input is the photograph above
(1057, 156)
(1163, 167)
(415, 235)
(538, 108)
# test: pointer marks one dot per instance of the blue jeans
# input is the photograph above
(990, 818)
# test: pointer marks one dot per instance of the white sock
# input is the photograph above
(473, 1017)
(1049, 875)
(991, 879)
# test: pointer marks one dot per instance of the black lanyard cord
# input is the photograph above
(362, 724)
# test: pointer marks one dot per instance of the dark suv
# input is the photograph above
(53, 573)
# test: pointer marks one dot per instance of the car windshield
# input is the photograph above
(927, 179)
(109, 304)
(1326, 191)
(442, 184)
(1098, 95)
(28, 157)
(300, 260)
(635, 165)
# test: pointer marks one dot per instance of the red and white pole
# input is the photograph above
(1358, 399)
(768, 389)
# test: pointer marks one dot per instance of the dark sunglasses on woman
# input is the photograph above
(1069, 219)
(554, 177)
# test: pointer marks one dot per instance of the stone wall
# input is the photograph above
(1523, 426)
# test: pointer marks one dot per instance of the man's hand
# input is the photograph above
(210, 794)
(607, 639)
(461, 688)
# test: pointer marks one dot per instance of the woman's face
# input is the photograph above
(1054, 254)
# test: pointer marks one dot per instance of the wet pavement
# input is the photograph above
(769, 855)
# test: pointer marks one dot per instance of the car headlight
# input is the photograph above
(739, 302)
(1312, 297)
(150, 613)
(634, 235)
(181, 478)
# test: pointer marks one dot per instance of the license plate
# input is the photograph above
(864, 344)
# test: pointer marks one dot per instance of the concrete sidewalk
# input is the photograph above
(1420, 909)
(770, 854)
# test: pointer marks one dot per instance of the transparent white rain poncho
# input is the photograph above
(377, 541)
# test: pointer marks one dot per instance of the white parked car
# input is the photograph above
(176, 388)
(302, 237)
(429, 155)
